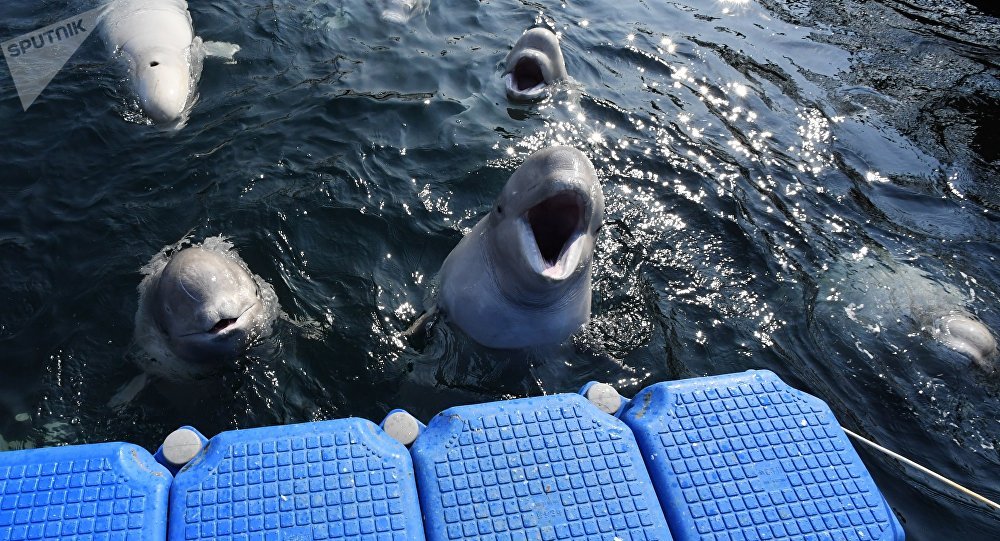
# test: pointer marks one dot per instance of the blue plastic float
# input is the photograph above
(737, 457)
(107, 491)
(744, 456)
(552, 467)
(343, 479)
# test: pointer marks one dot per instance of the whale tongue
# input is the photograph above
(527, 74)
(553, 222)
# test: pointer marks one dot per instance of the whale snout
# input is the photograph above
(967, 336)
(163, 87)
(229, 336)
(234, 326)
(224, 336)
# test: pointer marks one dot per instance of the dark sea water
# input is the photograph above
(790, 185)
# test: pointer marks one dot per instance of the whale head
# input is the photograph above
(535, 63)
(966, 335)
(208, 306)
(162, 81)
(545, 222)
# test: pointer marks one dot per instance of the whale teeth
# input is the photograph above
(554, 222)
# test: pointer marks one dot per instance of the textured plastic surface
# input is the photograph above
(544, 468)
(343, 479)
(107, 491)
(744, 456)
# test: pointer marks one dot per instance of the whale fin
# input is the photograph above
(221, 49)
(127, 393)
(416, 334)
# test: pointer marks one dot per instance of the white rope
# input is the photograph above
(937, 476)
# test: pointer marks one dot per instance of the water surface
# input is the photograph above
(789, 185)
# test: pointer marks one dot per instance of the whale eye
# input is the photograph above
(153, 64)
(499, 209)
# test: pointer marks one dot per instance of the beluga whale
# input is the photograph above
(883, 294)
(534, 65)
(199, 308)
(522, 276)
(156, 40)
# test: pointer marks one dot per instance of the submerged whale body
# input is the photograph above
(199, 308)
(522, 276)
(533, 65)
(879, 292)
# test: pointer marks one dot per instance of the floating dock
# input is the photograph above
(736, 457)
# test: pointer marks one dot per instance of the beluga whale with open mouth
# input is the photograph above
(200, 307)
(164, 58)
(534, 65)
(522, 276)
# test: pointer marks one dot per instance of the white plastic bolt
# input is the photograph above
(605, 397)
(402, 427)
(181, 446)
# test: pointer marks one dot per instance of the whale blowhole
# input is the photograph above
(554, 222)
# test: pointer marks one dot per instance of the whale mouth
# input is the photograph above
(225, 326)
(222, 325)
(553, 228)
(527, 80)
(527, 74)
